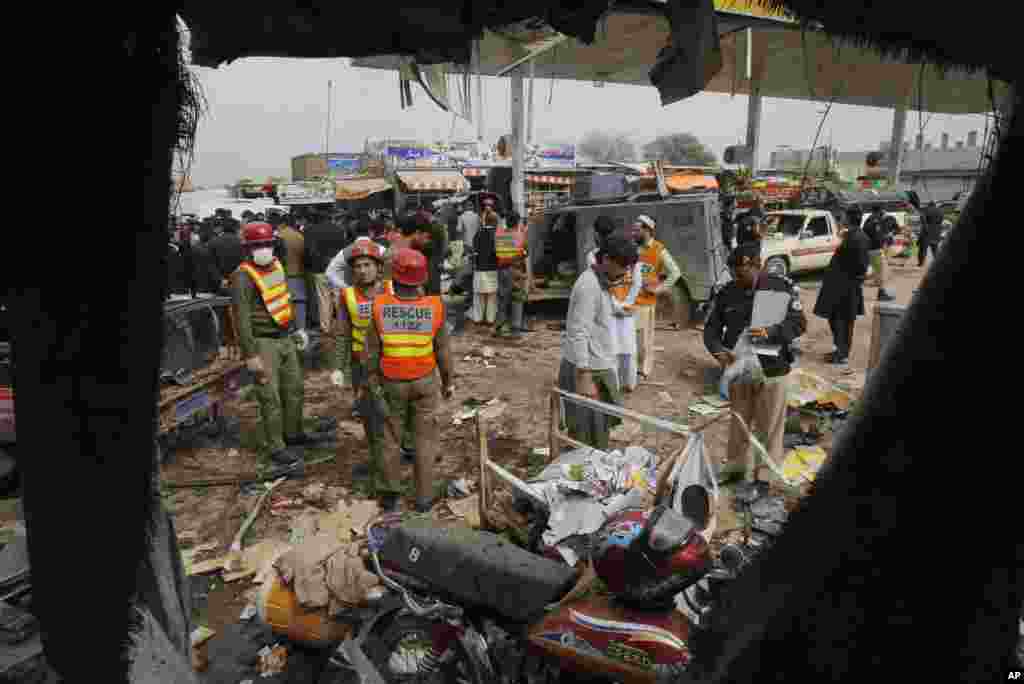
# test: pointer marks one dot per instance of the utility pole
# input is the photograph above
(327, 133)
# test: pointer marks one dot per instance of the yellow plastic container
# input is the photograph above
(279, 608)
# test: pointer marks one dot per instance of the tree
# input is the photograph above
(602, 146)
(680, 148)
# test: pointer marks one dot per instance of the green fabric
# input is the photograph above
(402, 410)
(373, 426)
(281, 399)
(253, 318)
(584, 430)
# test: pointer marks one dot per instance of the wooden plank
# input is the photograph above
(481, 434)
(619, 412)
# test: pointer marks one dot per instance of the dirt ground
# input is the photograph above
(523, 373)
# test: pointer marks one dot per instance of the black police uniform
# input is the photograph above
(733, 310)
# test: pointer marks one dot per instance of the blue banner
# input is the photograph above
(344, 164)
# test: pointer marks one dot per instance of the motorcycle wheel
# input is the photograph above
(403, 653)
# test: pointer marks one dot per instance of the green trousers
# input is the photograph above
(281, 398)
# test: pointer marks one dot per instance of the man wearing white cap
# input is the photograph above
(660, 274)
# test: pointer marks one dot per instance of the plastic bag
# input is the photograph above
(746, 369)
(694, 468)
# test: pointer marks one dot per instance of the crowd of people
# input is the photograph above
(375, 286)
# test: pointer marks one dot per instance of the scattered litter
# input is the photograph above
(273, 660)
(281, 507)
(702, 409)
(716, 402)
(802, 464)
(488, 410)
(248, 613)
(361, 512)
(541, 451)
(488, 353)
(568, 554)
(187, 537)
(314, 493)
(303, 527)
(659, 349)
(255, 560)
(805, 388)
(625, 432)
(337, 524)
(236, 544)
(666, 397)
(458, 488)
(200, 638)
(467, 509)
(583, 487)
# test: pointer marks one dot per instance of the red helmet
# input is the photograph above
(409, 267)
(258, 234)
(365, 248)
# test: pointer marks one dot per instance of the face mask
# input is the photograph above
(263, 256)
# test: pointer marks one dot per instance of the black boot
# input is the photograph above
(308, 439)
(408, 455)
(285, 457)
(389, 503)
(424, 505)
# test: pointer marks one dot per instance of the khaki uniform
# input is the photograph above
(281, 398)
(350, 359)
(409, 385)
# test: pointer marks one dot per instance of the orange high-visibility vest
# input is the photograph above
(407, 328)
(650, 267)
(273, 288)
(359, 310)
(509, 245)
(621, 290)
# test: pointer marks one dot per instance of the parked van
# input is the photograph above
(689, 225)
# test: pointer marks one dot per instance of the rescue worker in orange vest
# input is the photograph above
(270, 340)
(407, 350)
(366, 260)
(510, 247)
(660, 274)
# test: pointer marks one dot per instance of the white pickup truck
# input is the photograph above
(798, 240)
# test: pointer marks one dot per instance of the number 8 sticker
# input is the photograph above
(414, 554)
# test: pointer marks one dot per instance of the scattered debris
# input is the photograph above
(702, 409)
(666, 397)
(273, 660)
(255, 560)
(200, 638)
(458, 488)
(361, 512)
(625, 432)
(488, 353)
(467, 509)
(248, 613)
(802, 464)
(715, 401)
(284, 506)
(659, 349)
(541, 451)
(236, 544)
(324, 573)
(489, 410)
(187, 537)
(314, 493)
(304, 526)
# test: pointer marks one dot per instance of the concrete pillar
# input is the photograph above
(530, 120)
(899, 127)
(518, 142)
(479, 92)
(754, 123)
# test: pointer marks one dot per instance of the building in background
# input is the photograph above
(937, 173)
(336, 164)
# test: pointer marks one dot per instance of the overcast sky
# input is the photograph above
(263, 112)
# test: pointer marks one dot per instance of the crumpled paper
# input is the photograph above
(585, 487)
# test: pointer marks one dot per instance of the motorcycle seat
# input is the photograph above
(477, 569)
